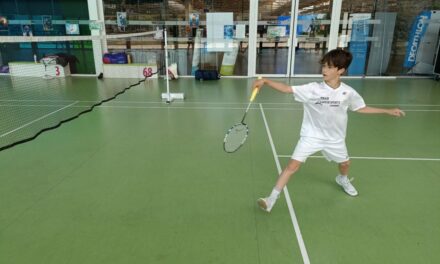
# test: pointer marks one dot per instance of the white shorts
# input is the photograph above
(332, 151)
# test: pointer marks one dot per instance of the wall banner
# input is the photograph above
(418, 30)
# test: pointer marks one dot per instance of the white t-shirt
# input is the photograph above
(325, 109)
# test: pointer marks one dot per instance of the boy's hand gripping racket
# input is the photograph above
(238, 133)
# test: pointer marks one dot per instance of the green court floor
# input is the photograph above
(140, 181)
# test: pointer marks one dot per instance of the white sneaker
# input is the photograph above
(265, 204)
(346, 185)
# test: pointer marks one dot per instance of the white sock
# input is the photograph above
(274, 194)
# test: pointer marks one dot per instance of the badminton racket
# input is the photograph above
(238, 133)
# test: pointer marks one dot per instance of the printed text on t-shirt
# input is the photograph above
(327, 101)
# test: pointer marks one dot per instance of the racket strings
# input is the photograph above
(237, 134)
(235, 137)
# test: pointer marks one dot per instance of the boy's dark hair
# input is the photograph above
(338, 58)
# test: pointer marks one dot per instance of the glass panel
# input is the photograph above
(390, 38)
(272, 36)
(32, 18)
(313, 30)
(184, 19)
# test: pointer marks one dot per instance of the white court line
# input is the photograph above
(229, 108)
(373, 158)
(53, 105)
(186, 107)
(417, 110)
(224, 103)
(397, 104)
(36, 120)
(37, 100)
(162, 105)
(178, 107)
(299, 238)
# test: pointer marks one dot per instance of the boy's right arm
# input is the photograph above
(281, 87)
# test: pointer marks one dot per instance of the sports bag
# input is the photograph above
(206, 75)
(115, 58)
(54, 60)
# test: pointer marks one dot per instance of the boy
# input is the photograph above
(324, 122)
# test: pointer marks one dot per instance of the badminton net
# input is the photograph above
(39, 94)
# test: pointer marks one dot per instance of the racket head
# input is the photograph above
(235, 137)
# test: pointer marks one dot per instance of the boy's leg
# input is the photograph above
(342, 178)
(285, 175)
(304, 148)
(337, 151)
(268, 202)
(344, 167)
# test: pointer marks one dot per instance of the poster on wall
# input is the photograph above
(276, 31)
(229, 59)
(417, 32)
(304, 25)
(26, 30)
(423, 43)
(121, 20)
(194, 20)
(47, 23)
(359, 43)
(3, 23)
(284, 21)
(228, 32)
(380, 51)
(240, 31)
(72, 28)
(196, 53)
(95, 25)
(215, 31)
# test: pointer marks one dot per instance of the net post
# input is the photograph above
(166, 65)
(169, 97)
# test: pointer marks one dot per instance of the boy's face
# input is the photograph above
(331, 73)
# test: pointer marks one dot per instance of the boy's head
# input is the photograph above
(338, 58)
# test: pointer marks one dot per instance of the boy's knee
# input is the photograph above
(293, 165)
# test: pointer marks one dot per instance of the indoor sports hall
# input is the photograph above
(113, 117)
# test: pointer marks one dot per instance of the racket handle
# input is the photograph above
(255, 91)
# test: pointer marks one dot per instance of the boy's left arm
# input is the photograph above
(389, 111)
